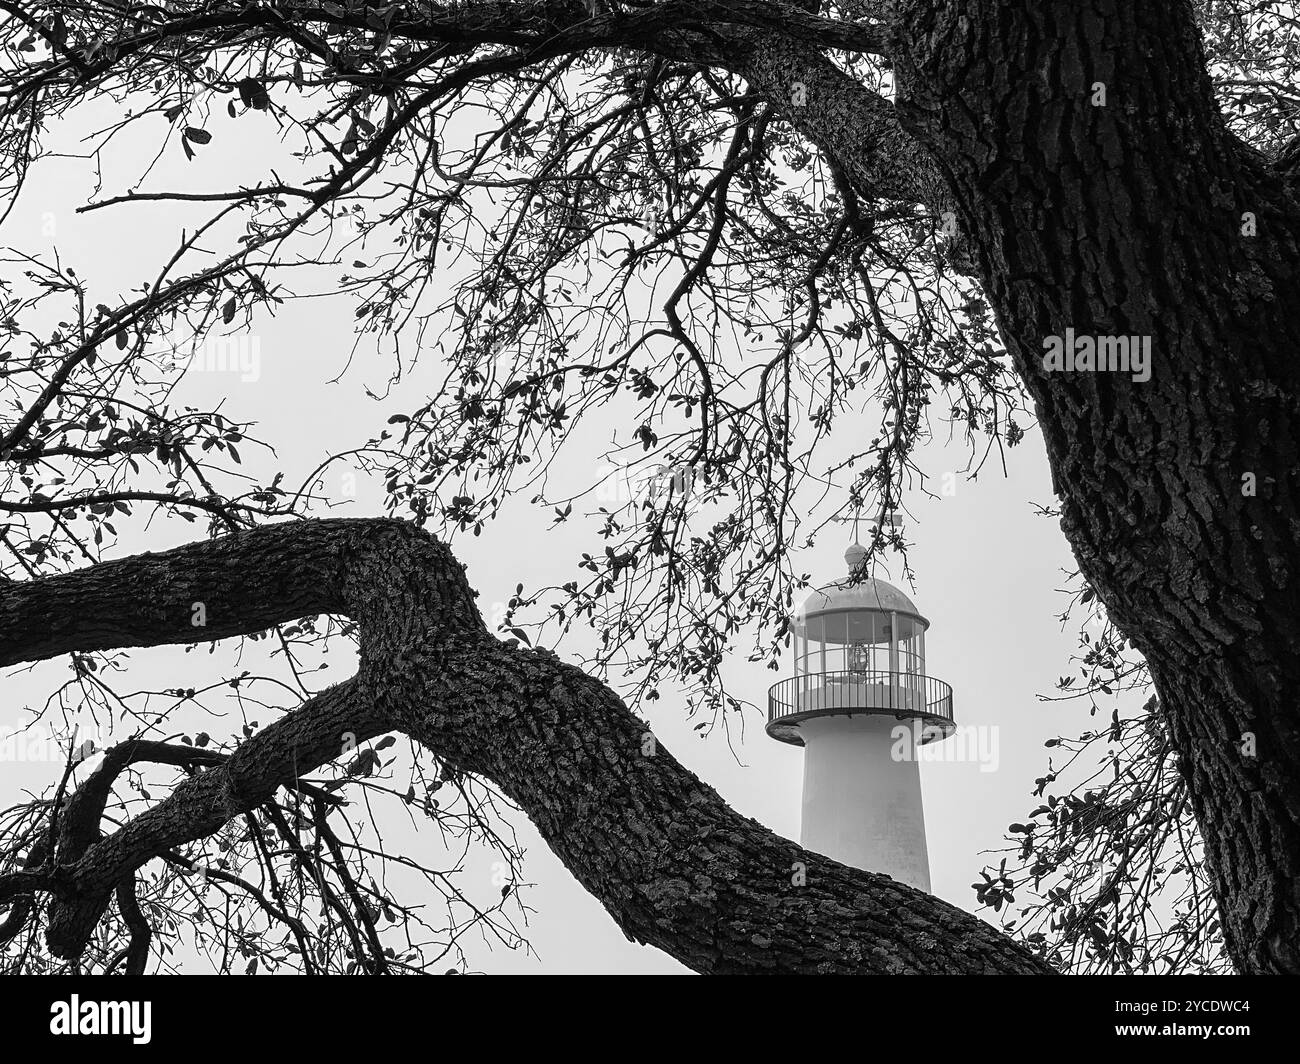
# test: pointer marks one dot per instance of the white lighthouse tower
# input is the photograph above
(860, 704)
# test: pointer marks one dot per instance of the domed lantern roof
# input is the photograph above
(870, 594)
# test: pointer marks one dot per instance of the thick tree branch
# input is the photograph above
(846, 120)
(321, 730)
(673, 864)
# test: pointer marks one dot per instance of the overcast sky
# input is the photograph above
(987, 567)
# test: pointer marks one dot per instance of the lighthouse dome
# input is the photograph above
(869, 594)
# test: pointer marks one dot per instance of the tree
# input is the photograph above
(890, 208)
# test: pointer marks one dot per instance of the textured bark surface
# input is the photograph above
(849, 123)
(673, 864)
(1127, 219)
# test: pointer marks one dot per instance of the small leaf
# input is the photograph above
(253, 94)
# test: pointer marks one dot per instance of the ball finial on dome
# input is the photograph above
(854, 556)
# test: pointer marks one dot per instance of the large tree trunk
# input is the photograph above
(1129, 218)
(675, 866)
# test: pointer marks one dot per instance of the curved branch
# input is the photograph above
(137, 950)
(673, 864)
(317, 733)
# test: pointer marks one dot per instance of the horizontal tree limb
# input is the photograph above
(674, 865)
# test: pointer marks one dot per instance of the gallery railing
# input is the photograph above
(870, 690)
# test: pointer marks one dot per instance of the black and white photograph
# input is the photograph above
(650, 487)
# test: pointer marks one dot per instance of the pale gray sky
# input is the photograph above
(987, 567)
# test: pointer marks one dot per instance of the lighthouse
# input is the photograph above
(861, 704)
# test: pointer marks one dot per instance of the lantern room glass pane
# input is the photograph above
(862, 627)
(858, 641)
(836, 638)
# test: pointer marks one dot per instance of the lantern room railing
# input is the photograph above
(866, 691)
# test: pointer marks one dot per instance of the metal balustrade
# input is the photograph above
(817, 694)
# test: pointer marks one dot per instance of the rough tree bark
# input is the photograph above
(673, 864)
(1129, 218)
